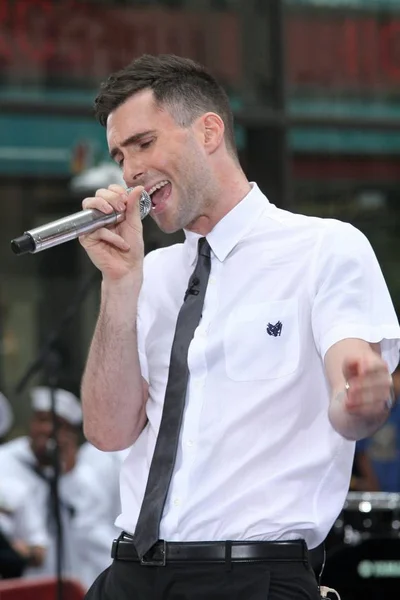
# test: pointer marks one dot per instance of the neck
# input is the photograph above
(230, 191)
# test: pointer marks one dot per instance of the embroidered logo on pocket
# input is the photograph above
(274, 330)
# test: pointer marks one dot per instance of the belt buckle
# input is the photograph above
(114, 548)
(155, 562)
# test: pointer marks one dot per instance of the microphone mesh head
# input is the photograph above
(144, 203)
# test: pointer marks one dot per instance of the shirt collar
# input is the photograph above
(232, 227)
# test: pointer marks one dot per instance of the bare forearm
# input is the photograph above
(353, 426)
(112, 389)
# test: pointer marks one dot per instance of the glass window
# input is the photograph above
(55, 51)
(343, 76)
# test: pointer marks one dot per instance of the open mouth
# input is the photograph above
(159, 193)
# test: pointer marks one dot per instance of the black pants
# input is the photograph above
(272, 580)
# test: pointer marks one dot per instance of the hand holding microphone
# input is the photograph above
(117, 250)
(73, 226)
(109, 224)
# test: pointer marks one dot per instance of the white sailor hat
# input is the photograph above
(67, 405)
(6, 415)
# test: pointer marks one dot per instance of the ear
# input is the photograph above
(213, 132)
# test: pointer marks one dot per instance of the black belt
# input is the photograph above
(217, 552)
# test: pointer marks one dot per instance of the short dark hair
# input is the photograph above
(185, 87)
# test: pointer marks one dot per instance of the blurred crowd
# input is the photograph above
(58, 498)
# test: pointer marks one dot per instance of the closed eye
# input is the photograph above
(141, 145)
(144, 145)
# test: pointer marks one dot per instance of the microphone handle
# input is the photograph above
(64, 230)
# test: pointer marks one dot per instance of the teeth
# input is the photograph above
(158, 186)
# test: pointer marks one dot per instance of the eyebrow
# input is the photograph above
(132, 139)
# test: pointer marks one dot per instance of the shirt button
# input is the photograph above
(198, 384)
(212, 280)
(190, 443)
(177, 502)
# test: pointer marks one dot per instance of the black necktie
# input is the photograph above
(162, 464)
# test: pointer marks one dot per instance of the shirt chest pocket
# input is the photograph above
(261, 341)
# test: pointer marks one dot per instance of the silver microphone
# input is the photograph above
(71, 227)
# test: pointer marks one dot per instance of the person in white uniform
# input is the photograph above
(288, 365)
(30, 459)
(23, 534)
(95, 524)
(88, 507)
(22, 525)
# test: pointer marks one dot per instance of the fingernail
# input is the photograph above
(121, 206)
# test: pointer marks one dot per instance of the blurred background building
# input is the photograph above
(315, 85)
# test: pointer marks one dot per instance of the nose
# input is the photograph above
(133, 174)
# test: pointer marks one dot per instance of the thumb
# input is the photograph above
(132, 213)
(351, 368)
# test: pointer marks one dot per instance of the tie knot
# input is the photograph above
(203, 247)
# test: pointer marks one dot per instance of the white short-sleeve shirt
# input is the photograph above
(257, 456)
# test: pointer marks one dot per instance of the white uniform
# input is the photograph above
(18, 461)
(89, 497)
(20, 518)
(95, 524)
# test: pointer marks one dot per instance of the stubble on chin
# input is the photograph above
(183, 216)
(168, 226)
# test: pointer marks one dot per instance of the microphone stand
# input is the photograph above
(49, 361)
(52, 370)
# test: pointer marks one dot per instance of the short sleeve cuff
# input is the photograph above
(387, 335)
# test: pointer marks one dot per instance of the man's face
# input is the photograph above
(153, 150)
(41, 431)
